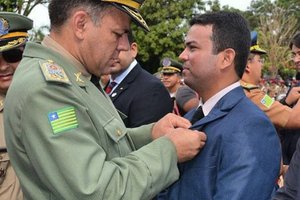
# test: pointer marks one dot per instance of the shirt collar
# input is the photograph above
(211, 102)
(121, 76)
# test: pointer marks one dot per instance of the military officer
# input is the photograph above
(282, 116)
(13, 36)
(171, 75)
(65, 138)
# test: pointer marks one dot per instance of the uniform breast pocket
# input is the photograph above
(117, 143)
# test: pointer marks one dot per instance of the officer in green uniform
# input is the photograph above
(65, 138)
(13, 36)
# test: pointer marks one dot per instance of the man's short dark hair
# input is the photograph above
(229, 30)
(295, 40)
(60, 10)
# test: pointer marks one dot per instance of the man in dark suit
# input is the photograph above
(136, 93)
(241, 158)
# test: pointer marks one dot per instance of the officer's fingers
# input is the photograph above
(202, 136)
(178, 121)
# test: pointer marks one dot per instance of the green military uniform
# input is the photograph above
(13, 34)
(68, 141)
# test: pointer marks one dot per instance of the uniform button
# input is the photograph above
(119, 132)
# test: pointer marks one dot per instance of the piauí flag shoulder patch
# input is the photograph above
(63, 120)
(267, 101)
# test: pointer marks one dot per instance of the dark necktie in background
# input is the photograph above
(197, 115)
(110, 86)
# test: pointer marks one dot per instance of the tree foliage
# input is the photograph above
(276, 31)
(168, 21)
(23, 7)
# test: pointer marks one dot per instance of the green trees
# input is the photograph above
(167, 20)
(276, 23)
(20, 6)
(275, 20)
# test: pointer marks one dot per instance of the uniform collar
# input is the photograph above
(53, 45)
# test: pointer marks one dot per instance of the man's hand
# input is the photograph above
(293, 96)
(187, 142)
(167, 124)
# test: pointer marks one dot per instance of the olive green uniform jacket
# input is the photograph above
(67, 141)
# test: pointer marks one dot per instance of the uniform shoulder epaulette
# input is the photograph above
(249, 87)
(54, 73)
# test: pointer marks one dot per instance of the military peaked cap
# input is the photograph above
(131, 7)
(171, 66)
(254, 44)
(13, 30)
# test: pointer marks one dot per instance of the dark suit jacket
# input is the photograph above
(240, 160)
(142, 97)
(291, 188)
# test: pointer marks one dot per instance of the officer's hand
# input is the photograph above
(187, 142)
(293, 96)
(167, 124)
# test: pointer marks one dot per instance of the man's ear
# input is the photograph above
(227, 58)
(134, 49)
(79, 23)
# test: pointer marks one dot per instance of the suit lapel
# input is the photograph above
(125, 83)
(222, 108)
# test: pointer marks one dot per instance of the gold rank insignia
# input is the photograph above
(53, 72)
(78, 77)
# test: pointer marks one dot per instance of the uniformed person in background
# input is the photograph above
(184, 98)
(65, 138)
(171, 77)
(13, 36)
(281, 115)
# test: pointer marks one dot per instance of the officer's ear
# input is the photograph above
(80, 22)
(227, 58)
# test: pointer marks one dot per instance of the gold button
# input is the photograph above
(119, 132)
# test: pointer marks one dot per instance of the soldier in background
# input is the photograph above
(13, 36)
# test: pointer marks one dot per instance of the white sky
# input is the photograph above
(39, 14)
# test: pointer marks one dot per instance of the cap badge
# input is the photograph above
(4, 26)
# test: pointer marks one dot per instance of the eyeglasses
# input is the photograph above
(260, 60)
(12, 55)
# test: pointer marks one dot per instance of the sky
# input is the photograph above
(39, 14)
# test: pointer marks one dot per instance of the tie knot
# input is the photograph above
(110, 86)
(197, 115)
